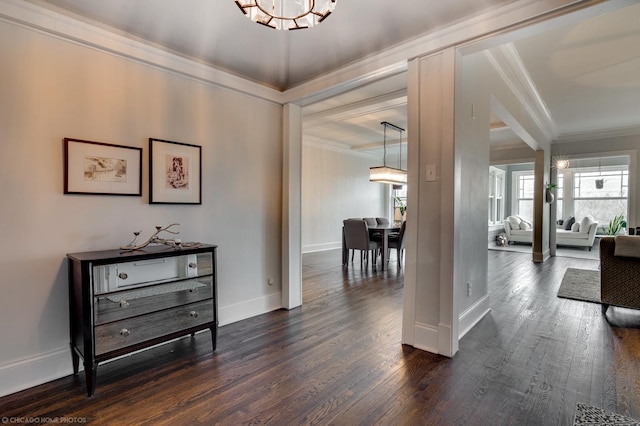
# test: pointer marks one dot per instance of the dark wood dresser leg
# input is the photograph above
(75, 359)
(214, 336)
(90, 370)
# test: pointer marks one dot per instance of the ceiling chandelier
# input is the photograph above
(385, 174)
(287, 14)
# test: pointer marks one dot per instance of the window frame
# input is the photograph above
(496, 209)
(515, 192)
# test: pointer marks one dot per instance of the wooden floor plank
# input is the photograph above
(338, 360)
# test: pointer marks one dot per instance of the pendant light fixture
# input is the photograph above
(384, 173)
(600, 181)
(287, 14)
(561, 162)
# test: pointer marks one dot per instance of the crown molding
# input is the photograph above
(598, 134)
(508, 146)
(357, 109)
(381, 65)
(64, 27)
(393, 60)
(509, 66)
(336, 147)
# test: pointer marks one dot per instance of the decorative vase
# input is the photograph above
(550, 196)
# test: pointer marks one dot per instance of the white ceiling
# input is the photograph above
(217, 33)
(587, 76)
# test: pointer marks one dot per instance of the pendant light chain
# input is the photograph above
(384, 157)
(400, 159)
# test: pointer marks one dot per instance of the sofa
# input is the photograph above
(518, 230)
(581, 234)
(620, 272)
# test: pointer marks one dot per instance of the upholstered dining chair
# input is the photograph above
(396, 241)
(374, 222)
(371, 221)
(356, 235)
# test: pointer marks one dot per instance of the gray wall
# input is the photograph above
(51, 89)
(335, 186)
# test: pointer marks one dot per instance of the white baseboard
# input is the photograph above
(469, 318)
(437, 339)
(426, 338)
(446, 345)
(29, 372)
(312, 248)
(249, 308)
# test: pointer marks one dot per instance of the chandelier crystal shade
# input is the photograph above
(384, 173)
(287, 14)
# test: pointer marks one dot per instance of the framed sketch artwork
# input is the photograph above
(101, 168)
(175, 175)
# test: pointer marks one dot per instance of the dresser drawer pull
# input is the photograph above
(124, 332)
(123, 276)
(193, 314)
(124, 304)
(193, 265)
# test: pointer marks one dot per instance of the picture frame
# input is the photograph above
(175, 172)
(97, 168)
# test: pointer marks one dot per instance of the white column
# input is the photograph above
(430, 317)
(291, 206)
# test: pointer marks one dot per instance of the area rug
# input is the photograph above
(580, 284)
(586, 415)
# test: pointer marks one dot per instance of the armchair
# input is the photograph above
(620, 272)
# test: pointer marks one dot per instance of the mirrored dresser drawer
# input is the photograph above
(125, 301)
(131, 331)
(118, 305)
(125, 275)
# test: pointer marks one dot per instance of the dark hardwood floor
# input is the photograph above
(338, 360)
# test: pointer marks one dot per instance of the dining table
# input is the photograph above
(384, 230)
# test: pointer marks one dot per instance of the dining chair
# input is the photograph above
(356, 234)
(396, 241)
(371, 221)
(382, 221)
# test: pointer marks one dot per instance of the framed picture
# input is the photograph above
(101, 168)
(175, 175)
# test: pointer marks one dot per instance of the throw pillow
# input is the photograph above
(528, 222)
(514, 222)
(585, 224)
(569, 223)
(525, 225)
(575, 227)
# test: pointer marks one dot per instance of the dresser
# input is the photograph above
(125, 301)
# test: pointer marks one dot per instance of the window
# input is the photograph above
(399, 198)
(496, 195)
(523, 199)
(560, 196)
(601, 193)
